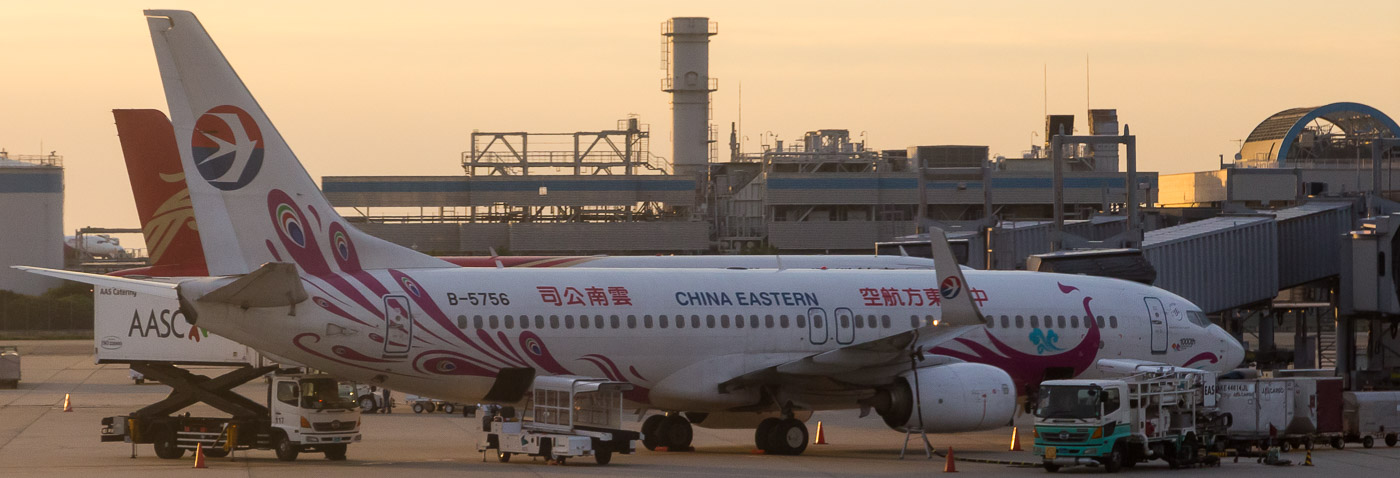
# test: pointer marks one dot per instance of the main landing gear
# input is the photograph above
(781, 436)
(671, 431)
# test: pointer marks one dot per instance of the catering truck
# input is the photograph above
(300, 411)
(1163, 413)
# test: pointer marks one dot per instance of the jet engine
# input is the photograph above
(949, 398)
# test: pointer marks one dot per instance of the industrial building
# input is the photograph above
(31, 190)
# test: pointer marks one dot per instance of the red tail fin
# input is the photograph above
(162, 198)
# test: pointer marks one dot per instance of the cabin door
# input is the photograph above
(398, 326)
(1157, 318)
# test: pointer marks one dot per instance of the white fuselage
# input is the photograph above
(466, 324)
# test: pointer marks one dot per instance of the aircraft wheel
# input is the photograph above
(760, 435)
(650, 428)
(676, 433)
(789, 437)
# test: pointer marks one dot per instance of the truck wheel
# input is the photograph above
(286, 450)
(602, 456)
(1368, 441)
(1169, 455)
(165, 445)
(1285, 446)
(1114, 461)
(367, 404)
(215, 451)
(650, 428)
(336, 452)
(448, 408)
(503, 456)
(1051, 467)
(417, 408)
(1391, 439)
(1338, 443)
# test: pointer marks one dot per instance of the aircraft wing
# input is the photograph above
(877, 362)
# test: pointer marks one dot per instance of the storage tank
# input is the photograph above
(31, 220)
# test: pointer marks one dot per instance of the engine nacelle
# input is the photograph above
(957, 397)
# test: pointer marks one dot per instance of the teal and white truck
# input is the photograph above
(1164, 413)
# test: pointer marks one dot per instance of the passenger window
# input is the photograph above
(646, 321)
(1061, 321)
(694, 321)
(287, 392)
(1100, 321)
(597, 321)
(615, 321)
(846, 321)
(1035, 322)
(801, 321)
(1020, 322)
(539, 322)
(753, 321)
(524, 321)
(913, 321)
(568, 321)
(461, 321)
(1073, 321)
(929, 320)
(768, 321)
(885, 321)
(510, 322)
(1112, 321)
(710, 321)
(631, 321)
(1005, 322)
(680, 321)
(991, 322)
(724, 321)
(583, 321)
(783, 321)
(661, 321)
(476, 321)
(495, 323)
(739, 321)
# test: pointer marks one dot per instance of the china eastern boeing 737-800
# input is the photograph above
(939, 351)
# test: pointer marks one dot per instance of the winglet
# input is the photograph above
(958, 306)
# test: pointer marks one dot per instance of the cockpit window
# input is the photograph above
(1198, 318)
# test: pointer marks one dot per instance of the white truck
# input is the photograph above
(302, 412)
(571, 416)
(1162, 413)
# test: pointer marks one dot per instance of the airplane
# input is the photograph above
(167, 220)
(942, 351)
(95, 245)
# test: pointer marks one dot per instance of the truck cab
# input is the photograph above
(1117, 423)
(313, 412)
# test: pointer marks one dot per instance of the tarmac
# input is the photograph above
(38, 439)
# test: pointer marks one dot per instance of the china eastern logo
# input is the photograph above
(227, 147)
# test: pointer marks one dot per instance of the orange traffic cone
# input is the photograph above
(821, 435)
(1015, 440)
(948, 466)
(67, 406)
(199, 456)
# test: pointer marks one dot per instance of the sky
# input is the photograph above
(375, 88)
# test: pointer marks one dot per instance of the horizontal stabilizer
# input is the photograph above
(164, 290)
(275, 284)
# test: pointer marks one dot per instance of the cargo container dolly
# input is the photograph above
(1155, 414)
(571, 416)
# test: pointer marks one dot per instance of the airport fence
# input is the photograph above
(64, 308)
